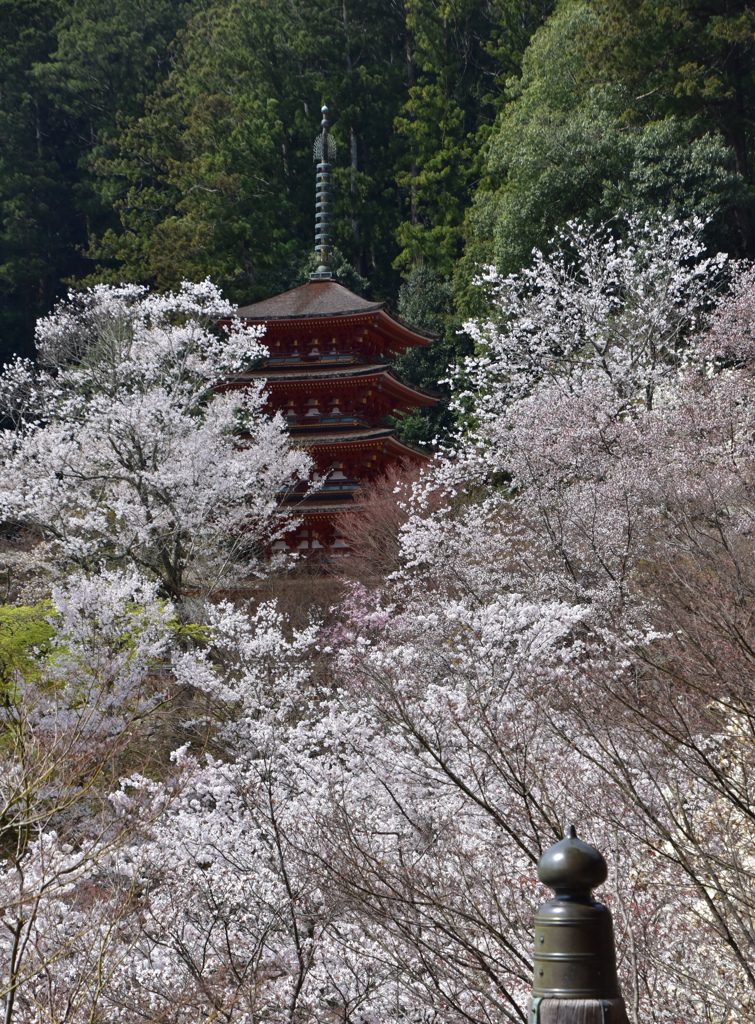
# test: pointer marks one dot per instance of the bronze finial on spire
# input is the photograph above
(325, 157)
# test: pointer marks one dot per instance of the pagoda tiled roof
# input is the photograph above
(361, 437)
(300, 371)
(312, 509)
(321, 300)
(308, 507)
(315, 298)
(342, 437)
(281, 376)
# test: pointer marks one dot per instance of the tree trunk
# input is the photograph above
(355, 238)
(356, 245)
(414, 209)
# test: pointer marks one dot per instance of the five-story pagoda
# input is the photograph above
(328, 372)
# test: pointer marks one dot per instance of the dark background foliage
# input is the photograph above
(151, 140)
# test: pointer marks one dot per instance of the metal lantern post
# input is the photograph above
(575, 955)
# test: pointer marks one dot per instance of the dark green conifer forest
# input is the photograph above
(155, 140)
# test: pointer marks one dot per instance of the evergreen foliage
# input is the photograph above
(154, 141)
(426, 300)
(68, 70)
(574, 140)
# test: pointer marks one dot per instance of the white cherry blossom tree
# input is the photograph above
(625, 305)
(636, 516)
(72, 717)
(565, 634)
(123, 446)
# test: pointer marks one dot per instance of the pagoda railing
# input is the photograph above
(318, 420)
(326, 357)
(333, 487)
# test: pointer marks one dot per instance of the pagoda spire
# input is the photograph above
(324, 157)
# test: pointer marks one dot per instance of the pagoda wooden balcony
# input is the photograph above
(297, 359)
(333, 488)
(318, 420)
(339, 486)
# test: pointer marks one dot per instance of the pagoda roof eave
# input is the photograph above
(384, 438)
(298, 318)
(309, 300)
(407, 336)
(421, 331)
(313, 508)
(284, 377)
(319, 302)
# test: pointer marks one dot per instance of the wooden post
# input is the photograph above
(575, 954)
(578, 1011)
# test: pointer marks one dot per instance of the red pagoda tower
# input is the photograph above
(328, 372)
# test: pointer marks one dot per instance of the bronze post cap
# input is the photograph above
(572, 864)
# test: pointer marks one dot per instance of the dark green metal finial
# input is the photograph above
(575, 954)
(324, 156)
(572, 866)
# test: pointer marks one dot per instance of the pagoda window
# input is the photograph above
(334, 410)
(337, 480)
(339, 545)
